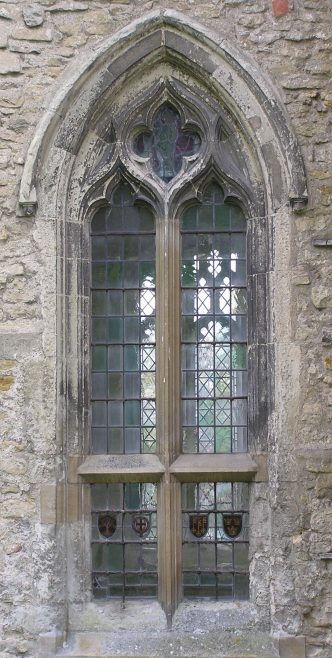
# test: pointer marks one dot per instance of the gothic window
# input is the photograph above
(169, 380)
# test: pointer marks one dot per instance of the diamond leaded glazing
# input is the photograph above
(214, 326)
(167, 143)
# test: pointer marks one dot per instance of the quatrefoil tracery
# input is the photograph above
(166, 144)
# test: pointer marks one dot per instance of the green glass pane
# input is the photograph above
(188, 357)
(205, 245)
(239, 328)
(224, 556)
(99, 440)
(238, 272)
(239, 357)
(114, 222)
(98, 247)
(99, 302)
(131, 302)
(131, 247)
(130, 274)
(115, 330)
(189, 246)
(224, 496)
(114, 275)
(131, 357)
(115, 247)
(223, 439)
(131, 219)
(115, 358)
(207, 557)
(213, 194)
(115, 386)
(189, 219)
(241, 586)
(99, 386)
(241, 556)
(239, 245)
(122, 195)
(188, 496)
(98, 496)
(222, 245)
(98, 224)
(115, 414)
(205, 217)
(146, 219)
(147, 248)
(190, 556)
(98, 327)
(132, 440)
(131, 385)
(147, 274)
(222, 217)
(149, 557)
(132, 496)
(189, 441)
(99, 414)
(225, 586)
(115, 557)
(115, 440)
(189, 412)
(131, 330)
(239, 300)
(132, 413)
(189, 384)
(238, 221)
(99, 358)
(98, 274)
(115, 304)
(189, 329)
(189, 274)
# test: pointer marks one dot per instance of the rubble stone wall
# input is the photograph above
(291, 42)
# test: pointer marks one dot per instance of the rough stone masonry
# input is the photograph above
(291, 43)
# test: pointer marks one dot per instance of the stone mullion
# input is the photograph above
(168, 412)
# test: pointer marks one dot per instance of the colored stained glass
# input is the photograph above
(124, 540)
(215, 540)
(167, 144)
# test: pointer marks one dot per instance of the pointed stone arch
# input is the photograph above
(163, 36)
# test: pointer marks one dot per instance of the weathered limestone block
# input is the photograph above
(39, 34)
(9, 63)
(68, 6)
(33, 15)
(321, 296)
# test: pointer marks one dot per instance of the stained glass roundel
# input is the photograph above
(167, 143)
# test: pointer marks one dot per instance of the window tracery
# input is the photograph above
(169, 288)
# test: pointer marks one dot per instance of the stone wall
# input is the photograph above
(292, 43)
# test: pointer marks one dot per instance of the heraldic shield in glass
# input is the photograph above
(215, 540)
(124, 540)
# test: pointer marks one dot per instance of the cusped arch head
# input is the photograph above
(164, 50)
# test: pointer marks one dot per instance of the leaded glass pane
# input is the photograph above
(167, 143)
(123, 327)
(124, 540)
(215, 540)
(214, 326)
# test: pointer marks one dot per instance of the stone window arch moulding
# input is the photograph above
(90, 138)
